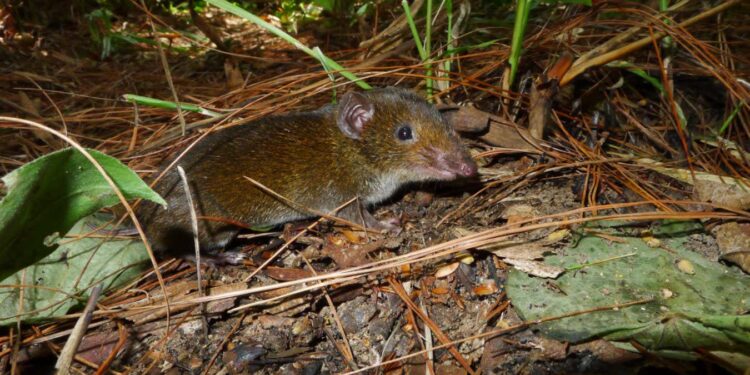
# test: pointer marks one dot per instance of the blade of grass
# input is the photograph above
(423, 53)
(523, 8)
(321, 58)
(234, 9)
(151, 102)
(454, 51)
(428, 47)
(449, 38)
(731, 117)
(413, 28)
(666, 43)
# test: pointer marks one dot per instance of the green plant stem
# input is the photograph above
(731, 117)
(449, 39)
(321, 57)
(523, 7)
(423, 54)
(428, 48)
(156, 103)
(580, 266)
(666, 43)
(413, 28)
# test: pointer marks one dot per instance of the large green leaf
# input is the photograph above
(50, 194)
(63, 279)
(697, 303)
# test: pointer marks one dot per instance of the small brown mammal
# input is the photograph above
(367, 146)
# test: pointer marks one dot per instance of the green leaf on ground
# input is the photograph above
(697, 303)
(63, 279)
(50, 194)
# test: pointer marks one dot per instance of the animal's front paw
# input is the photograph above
(215, 260)
(390, 225)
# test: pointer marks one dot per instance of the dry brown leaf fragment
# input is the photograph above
(287, 274)
(732, 195)
(552, 349)
(352, 236)
(734, 243)
(519, 250)
(534, 268)
(291, 307)
(605, 351)
(343, 252)
(519, 212)
(511, 249)
(466, 119)
(494, 130)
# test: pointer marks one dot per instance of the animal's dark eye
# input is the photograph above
(404, 133)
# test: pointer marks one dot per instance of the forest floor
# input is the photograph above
(534, 205)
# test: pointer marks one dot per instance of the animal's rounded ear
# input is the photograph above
(354, 111)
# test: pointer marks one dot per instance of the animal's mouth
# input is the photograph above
(437, 174)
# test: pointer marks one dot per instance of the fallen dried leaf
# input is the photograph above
(734, 243)
(496, 131)
(552, 349)
(605, 351)
(466, 119)
(538, 269)
(287, 274)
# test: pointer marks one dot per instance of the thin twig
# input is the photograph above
(71, 346)
(196, 244)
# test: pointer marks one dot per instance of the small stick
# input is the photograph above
(196, 243)
(584, 265)
(71, 346)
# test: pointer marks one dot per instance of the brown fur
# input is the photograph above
(306, 158)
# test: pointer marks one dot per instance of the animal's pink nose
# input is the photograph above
(467, 168)
(461, 165)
